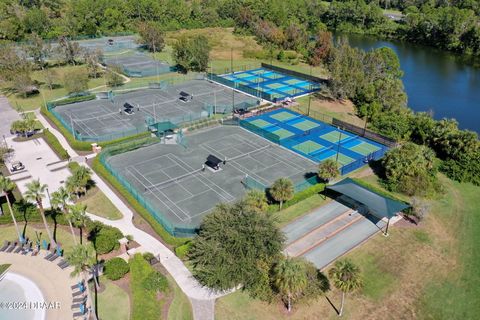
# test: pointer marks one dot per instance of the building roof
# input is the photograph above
(380, 206)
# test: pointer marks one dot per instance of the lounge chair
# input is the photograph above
(48, 256)
(18, 249)
(65, 265)
(76, 294)
(27, 248)
(11, 247)
(52, 258)
(80, 299)
(62, 262)
(6, 244)
(78, 314)
(78, 305)
(78, 285)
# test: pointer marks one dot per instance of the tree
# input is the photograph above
(79, 217)
(92, 61)
(152, 36)
(51, 77)
(38, 49)
(328, 170)
(192, 53)
(84, 261)
(36, 192)
(60, 199)
(70, 50)
(113, 77)
(411, 169)
(256, 200)
(322, 49)
(290, 279)
(232, 241)
(346, 277)
(282, 190)
(6, 186)
(76, 81)
(15, 69)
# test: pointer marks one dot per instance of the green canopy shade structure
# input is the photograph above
(380, 206)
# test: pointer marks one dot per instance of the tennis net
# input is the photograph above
(163, 184)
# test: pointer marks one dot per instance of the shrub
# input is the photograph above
(148, 256)
(116, 268)
(155, 281)
(182, 251)
(53, 142)
(104, 237)
(73, 100)
(299, 196)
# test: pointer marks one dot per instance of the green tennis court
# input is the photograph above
(293, 81)
(261, 123)
(242, 75)
(282, 133)
(275, 85)
(342, 159)
(308, 147)
(283, 116)
(333, 136)
(306, 125)
(364, 148)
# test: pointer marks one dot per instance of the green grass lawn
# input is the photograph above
(145, 303)
(34, 102)
(98, 204)
(297, 210)
(456, 296)
(424, 272)
(113, 302)
(180, 308)
(63, 236)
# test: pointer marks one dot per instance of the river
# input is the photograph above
(434, 80)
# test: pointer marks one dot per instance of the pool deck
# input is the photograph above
(53, 282)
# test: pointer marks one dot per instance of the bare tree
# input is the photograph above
(38, 49)
(69, 49)
(92, 60)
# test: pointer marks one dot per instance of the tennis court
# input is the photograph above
(106, 119)
(274, 83)
(314, 139)
(107, 44)
(136, 64)
(177, 190)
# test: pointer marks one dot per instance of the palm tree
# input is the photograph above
(82, 175)
(6, 185)
(290, 278)
(35, 192)
(346, 278)
(79, 217)
(327, 170)
(282, 190)
(59, 200)
(256, 200)
(84, 261)
(72, 186)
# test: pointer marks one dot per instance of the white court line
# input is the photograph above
(210, 181)
(177, 182)
(165, 204)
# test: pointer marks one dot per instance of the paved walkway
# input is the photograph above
(202, 298)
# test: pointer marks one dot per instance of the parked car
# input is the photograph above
(17, 166)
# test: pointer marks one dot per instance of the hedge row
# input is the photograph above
(167, 237)
(73, 100)
(55, 145)
(299, 196)
(84, 145)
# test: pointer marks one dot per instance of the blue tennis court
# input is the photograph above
(275, 84)
(314, 139)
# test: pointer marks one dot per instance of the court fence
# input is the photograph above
(171, 228)
(253, 184)
(292, 141)
(240, 87)
(292, 73)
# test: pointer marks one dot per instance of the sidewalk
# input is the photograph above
(202, 298)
